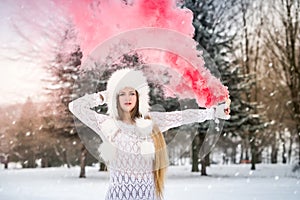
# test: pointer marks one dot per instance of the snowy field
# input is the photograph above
(225, 182)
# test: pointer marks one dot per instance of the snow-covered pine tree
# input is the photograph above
(63, 69)
(214, 32)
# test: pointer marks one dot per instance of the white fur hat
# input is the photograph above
(127, 78)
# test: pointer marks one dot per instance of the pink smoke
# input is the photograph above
(208, 90)
(96, 21)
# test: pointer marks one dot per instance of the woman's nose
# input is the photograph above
(128, 97)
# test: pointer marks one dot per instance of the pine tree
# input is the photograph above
(211, 21)
(61, 86)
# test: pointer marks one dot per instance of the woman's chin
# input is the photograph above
(127, 110)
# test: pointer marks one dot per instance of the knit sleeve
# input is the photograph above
(167, 120)
(81, 108)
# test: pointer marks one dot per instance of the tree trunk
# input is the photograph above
(102, 167)
(247, 153)
(274, 154)
(31, 162)
(283, 154)
(233, 155)
(195, 152)
(203, 166)
(259, 157)
(298, 131)
(299, 146)
(253, 162)
(206, 157)
(290, 150)
(82, 161)
(207, 160)
(242, 153)
(44, 161)
(6, 162)
(253, 153)
(65, 158)
(268, 155)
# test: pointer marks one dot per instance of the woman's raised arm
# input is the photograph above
(167, 120)
(81, 108)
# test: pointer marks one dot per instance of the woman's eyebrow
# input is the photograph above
(129, 91)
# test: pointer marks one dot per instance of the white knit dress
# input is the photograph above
(131, 173)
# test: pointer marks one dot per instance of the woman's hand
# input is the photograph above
(100, 97)
(222, 111)
(227, 106)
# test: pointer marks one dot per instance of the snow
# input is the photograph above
(224, 182)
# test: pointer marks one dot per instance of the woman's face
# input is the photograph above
(127, 98)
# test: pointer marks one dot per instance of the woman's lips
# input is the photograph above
(127, 104)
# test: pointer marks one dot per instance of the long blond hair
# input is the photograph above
(160, 162)
(161, 156)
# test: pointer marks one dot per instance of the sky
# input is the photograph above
(18, 79)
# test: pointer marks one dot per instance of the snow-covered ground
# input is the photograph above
(226, 182)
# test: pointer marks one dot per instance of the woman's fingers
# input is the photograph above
(227, 106)
(227, 111)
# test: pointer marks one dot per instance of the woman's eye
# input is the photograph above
(132, 93)
(121, 94)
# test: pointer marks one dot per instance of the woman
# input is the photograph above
(133, 145)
